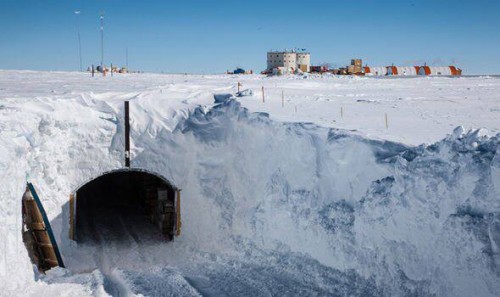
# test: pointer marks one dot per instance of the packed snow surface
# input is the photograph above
(327, 186)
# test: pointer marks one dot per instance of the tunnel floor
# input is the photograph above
(125, 206)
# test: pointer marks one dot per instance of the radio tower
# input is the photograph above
(102, 38)
(79, 39)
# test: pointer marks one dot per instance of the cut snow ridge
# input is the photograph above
(269, 207)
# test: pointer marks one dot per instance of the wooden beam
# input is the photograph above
(72, 216)
(178, 223)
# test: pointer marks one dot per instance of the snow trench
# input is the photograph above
(272, 208)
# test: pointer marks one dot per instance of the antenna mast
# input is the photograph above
(77, 13)
(102, 38)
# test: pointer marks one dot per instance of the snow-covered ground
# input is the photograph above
(306, 194)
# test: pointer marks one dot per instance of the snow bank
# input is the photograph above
(268, 206)
(397, 214)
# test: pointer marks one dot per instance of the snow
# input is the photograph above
(316, 197)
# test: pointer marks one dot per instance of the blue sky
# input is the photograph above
(207, 36)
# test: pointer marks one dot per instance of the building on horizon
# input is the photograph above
(288, 61)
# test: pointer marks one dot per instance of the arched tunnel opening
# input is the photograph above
(124, 205)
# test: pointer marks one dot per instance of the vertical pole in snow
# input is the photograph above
(386, 122)
(263, 98)
(239, 87)
(93, 70)
(127, 136)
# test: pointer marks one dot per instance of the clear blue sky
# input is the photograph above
(208, 36)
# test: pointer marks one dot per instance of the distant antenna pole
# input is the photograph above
(102, 38)
(79, 39)
(127, 136)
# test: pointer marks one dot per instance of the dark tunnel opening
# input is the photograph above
(125, 205)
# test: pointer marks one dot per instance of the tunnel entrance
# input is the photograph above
(123, 205)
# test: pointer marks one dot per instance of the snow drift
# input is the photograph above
(268, 207)
(392, 213)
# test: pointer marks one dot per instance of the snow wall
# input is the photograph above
(353, 216)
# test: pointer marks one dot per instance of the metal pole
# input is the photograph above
(79, 39)
(102, 39)
(127, 136)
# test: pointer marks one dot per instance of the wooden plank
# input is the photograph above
(41, 210)
(34, 216)
(71, 216)
(51, 262)
(44, 245)
(36, 226)
(178, 223)
(41, 236)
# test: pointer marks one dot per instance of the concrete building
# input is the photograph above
(304, 62)
(288, 61)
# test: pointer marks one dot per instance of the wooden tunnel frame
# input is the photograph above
(73, 199)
